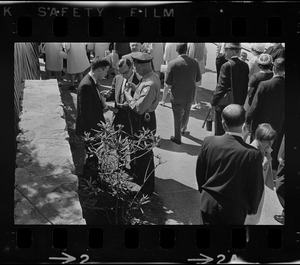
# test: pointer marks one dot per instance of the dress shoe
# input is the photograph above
(173, 139)
(279, 218)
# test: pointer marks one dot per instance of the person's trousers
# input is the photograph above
(143, 160)
(181, 113)
(144, 171)
(122, 117)
(219, 130)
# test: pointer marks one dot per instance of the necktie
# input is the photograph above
(122, 96)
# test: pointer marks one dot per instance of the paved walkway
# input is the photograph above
(46, 188)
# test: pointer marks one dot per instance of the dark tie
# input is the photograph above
(122, 96)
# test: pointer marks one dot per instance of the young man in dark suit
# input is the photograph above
(229, 173)
(89, 108)
(268, 106)
(89, 101)
(181, 76)
(234, 75)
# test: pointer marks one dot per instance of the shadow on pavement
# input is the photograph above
(51, 188)
(181, 203)
(193, 150)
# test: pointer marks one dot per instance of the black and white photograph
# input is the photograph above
(149, 133)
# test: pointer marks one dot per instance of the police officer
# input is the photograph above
(143, 104)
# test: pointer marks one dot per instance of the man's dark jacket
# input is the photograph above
(89, 107)
(238, 84)
(230, 170)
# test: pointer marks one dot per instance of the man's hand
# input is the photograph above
(245, 131)
(209, 106)
(124, 105)
(130, 86)
(105, 93)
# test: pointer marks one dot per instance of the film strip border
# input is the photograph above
(206, 21)
(179, 20)
(158, 244)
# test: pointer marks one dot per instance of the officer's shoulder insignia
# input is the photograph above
(146, 89)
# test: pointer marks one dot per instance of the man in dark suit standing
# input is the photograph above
(89, 101)
(268, 106)
(181, 77)
(234, 75)
(89, 108)
(229, 173)
(122, 111)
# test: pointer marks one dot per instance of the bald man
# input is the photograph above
(229, 173)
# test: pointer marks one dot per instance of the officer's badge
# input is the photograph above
(147, 117)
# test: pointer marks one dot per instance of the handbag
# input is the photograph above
(227, 99)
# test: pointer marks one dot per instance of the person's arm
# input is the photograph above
(167, 53)
(255, 182)
(191, 50)
(224, 83)
(110, 94)
(85, 101)
(256, 104)
(169, 75)
(198, 73)
(140, 104)
(201, 167)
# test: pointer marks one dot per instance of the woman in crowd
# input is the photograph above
(264, 63)
(257, 49)
(157, 51)
(98, 48)
(54, 63)
(77, 60)
(264, 138)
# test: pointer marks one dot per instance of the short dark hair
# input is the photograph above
(98, 62)
(234, 115)
(181, 48)
(265, 132)
(124, 61)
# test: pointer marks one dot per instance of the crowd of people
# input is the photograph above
(240, 161)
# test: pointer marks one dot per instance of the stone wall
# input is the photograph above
(46, 187)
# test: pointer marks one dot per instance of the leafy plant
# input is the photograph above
(107, 184)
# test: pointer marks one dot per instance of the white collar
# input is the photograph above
(234, 133)
(93, 78)
(275, 75)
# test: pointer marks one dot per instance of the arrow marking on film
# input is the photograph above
(68, 258)
(206, 259)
